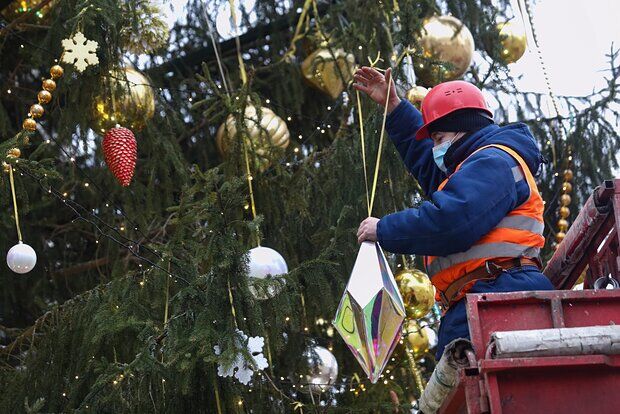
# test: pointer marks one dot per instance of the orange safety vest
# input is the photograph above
(519, 234)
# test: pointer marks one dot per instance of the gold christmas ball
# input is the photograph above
(37, 111)
(44, 97)
(560, 236)
(56, 71)
(567, 187)
(513, 40)
(49, 85)
(128, 100)
(265, 133)
(564, 212)
(416, 338)
(568, 175)
(562, 225)
(565, 199)
(14, 153)
(29, 124)
(328, 70)
(417, 291)
(447, 40)
(17, 8)
(416, 95)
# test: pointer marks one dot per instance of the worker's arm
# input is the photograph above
(476, 198)
(402, 124)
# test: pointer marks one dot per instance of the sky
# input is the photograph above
(574, 35)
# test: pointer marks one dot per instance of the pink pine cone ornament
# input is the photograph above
(120, 151)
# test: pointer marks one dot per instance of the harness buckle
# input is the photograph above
(492, 268)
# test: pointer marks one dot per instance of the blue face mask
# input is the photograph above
(439, 151)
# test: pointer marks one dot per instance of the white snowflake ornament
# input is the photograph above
(80, 52)
(241, 368)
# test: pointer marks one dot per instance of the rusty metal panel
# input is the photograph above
(564, 384)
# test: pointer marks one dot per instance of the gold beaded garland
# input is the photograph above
(37, 111)
(29, 124)
(567, 187)
(49, 85)
(56, 71)
(44, 97)
(565, 199)
(560, 236)
(5, 167)
(562, 225)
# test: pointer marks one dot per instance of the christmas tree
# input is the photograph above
(144, 163)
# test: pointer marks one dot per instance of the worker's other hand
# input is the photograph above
(374, 84)
(367, 230)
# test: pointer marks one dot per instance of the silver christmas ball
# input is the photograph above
(21, 258)
(266, 263)
(317, 371)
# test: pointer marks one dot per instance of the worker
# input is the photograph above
(482, 228)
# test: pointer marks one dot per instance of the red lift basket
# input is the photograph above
(557, 384)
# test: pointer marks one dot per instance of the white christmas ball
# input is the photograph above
(266, 263)
(21, 258)
(432, 336)
(318, 370)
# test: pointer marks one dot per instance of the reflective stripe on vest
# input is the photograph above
(519, 234)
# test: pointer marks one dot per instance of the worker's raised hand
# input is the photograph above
(367, 230)
(374, 84)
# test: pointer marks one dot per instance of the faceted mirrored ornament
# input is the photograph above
(371, 311)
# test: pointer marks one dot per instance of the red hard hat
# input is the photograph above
(446, 98)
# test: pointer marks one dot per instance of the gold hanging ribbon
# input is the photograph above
(370, 199)
(218, 404)
(232, 305)
(378, 163)
(244, 80)
(297, 36)
(233, 16)
(19, 232)
(359, 113)
(251, 188)
(167, 295)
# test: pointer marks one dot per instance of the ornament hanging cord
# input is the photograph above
(378, 163)
(244, 80)
(243, 76)
(12, 182)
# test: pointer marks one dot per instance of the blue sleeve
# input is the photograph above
(475, 199)
(401, 125)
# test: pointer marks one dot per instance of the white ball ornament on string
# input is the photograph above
(318, 370)
(266, 263)
(433, 339)
(21, 258)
